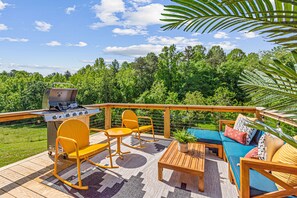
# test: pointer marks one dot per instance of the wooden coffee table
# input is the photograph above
(191, 162)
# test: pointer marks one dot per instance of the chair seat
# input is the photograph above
(88, 150)
(143, 128)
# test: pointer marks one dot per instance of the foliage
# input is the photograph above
(189, 76)
(276, 78)
(182, 136)
(276, 19)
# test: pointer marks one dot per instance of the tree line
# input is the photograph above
(191, 76)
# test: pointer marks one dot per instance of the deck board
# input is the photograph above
(24, 178)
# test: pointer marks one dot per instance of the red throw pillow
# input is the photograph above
(252, 153)
(236, 135)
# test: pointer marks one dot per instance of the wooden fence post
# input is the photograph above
(167, 123)
(107, 117)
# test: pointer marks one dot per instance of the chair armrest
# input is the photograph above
(69, 140)
(146, 117)
(102, 130)
(262, 167)
(226, 122)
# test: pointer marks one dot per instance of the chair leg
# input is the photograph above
(55, 173)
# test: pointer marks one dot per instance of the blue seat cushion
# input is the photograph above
(206, 136)
(236, 149)
(259, 184)
(225, 139)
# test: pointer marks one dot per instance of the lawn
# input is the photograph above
(21, 141)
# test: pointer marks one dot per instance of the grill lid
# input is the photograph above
(59, 99)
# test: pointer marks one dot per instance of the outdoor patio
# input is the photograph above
(136, 177)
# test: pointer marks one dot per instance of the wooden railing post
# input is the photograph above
(107, 117)
(258, 115)
(167, 123)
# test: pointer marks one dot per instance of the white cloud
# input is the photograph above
(144, 16)
(53, 43)
(142, 1)
(129, 31)
(196, 34)
(134, 50)
(106, 12)
(3, 5)
(3, 27)
(69, 10)
(178, 41)
(42, 26)
(221, 35)
(9, 39)
(155, 44)
(237, 38)
(88, 61)
(115, 13)
(249, 35)
(79, 44)
(226, 45)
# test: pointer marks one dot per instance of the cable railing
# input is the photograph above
(21, 132)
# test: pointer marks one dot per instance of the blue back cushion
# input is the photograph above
(256, 138)
(206, 136)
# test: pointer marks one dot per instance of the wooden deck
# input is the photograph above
(24, 178)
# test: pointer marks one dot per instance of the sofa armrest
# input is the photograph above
(263, 167)
(226, 122)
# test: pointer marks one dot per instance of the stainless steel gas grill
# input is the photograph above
(60, 104)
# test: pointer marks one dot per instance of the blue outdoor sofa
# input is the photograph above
(233, 153)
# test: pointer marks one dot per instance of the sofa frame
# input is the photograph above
(264, 168)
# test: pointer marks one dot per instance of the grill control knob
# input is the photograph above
(67, 115)
(74, 114)
(54, 117)
(86, 112)
(80, 113)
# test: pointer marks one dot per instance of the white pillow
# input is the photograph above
(261, 148)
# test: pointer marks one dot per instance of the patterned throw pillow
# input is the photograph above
(252, 153)
(240, 125)
(261, 148)
(236, 135)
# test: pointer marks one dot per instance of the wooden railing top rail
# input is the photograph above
(242, 109)
(11, 116)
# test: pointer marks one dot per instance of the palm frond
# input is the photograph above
(277, 21)
(273, 86)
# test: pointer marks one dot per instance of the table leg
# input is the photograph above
(118, 151)
(160, 173)
(201, 183)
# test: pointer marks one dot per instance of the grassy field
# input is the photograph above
(21, 141)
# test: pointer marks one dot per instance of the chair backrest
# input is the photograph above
(129, 115)
(74, 129)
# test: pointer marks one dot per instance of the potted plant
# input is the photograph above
(183, 137)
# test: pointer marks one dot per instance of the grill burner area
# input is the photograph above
(66, 114)
(60, 104)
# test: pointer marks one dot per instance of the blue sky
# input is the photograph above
(58, 35)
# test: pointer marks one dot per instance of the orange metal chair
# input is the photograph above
(130, 120)
(73, 136)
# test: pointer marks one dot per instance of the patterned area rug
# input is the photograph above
(138, 173)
